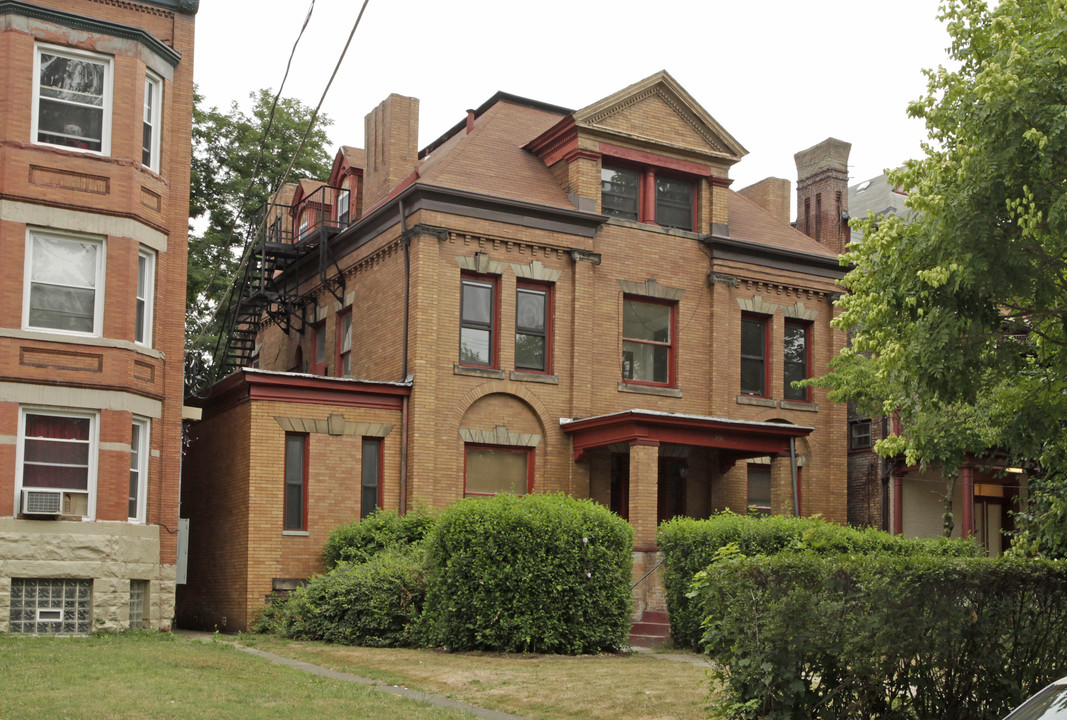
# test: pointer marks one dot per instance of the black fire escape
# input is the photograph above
(276, 283)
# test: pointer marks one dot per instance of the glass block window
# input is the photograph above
(138, 602)
(49, 606)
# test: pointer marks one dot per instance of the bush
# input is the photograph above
(361, 540)
(539, 573)
(915, 636)
(376, 603)
(690, 545)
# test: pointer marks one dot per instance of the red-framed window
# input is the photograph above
(648, 341)
(648, 195)
(296, 482)
(318, 357)
(344, 342)
(492, 469)
(533, 327)
(796, 359)
(479, 323)
(755, 368)
(370, 476)
(759, 488)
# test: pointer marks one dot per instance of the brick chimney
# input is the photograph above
(822, 193)
(391, 134)
(771, 194)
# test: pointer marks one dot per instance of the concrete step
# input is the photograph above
(651, 630)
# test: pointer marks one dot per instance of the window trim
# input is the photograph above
(671, 345)
(344, 198)
(548, 289)
(517, 449)
(345, 315)
(105, 103)
(806, 393)
(765, 321)
(93, 454)
(98, 288)
(154, 122)
(303, 438)
(148, 307)
(379, 494)
(648, 195)
(493, 281)
(143, 451)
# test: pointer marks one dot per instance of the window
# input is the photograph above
(796, 359)
(138, 596)
(533, 332)
(153, 102)
(754, 329)
(65, 288)
(50, 606)
(344, 343)
(138, 469)
(146, 282)
(492, 469)
(860, 435)
(647, 337)
(296, 486)
(479, 312)
(371, 477)
(342, 204)
(318, 361)
(59, 452)
(759, 488)
(623, 194)
(72, 99)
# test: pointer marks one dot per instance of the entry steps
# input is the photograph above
(652, 630)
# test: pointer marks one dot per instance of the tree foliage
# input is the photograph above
(234, 171)
(957, 315)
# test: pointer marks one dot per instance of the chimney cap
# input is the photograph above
(830, 154)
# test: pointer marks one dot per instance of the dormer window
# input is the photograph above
(647, 196)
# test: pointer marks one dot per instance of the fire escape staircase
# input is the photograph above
(268, 287)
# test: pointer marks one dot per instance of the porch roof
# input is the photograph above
(743, 438)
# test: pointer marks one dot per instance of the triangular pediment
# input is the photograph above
(658, 111)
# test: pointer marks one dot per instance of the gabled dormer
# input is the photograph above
(347, 177)
(646, 154)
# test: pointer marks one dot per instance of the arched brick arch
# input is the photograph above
(514, 389)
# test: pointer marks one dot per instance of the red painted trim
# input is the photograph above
(720, 181)
(644, 442)
(660, 161)
(550, 304)
(647, 198)
(553, 144)
(577, 153)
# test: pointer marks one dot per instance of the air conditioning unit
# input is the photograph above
(42, 502)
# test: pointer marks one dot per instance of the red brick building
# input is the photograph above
(541, 300)
(95, 123)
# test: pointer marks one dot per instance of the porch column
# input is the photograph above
(967, 511)
(644, 492)
(898, 503)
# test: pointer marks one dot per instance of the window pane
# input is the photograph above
(55, 476)
(474, 346)
(759, 486)
(60, 308)
(294, 482)
(59, 452)
(346, 332)
(530, 351)
(646, 363)
(619, 192)
(795, 366)
(370, 474)
(64, 261)
(491, 471)
(530, 309)
(753, 337)
(135, 469)
(72, 79)
(674, 203)
(646, 321)
(57, 427)
(477, 303)
(752, 376)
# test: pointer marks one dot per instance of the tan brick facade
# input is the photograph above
(515, 198)
(105, 374)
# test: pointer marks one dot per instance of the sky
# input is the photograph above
(778, 75)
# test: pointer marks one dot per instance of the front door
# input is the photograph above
(671, 488)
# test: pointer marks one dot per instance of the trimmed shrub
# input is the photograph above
(538, 573)
(376, 603)
(361, 540)
(690, 545)
(799, 635)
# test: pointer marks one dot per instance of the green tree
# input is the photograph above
(957, 316)
(234, 172)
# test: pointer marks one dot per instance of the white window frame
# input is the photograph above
(94, 451)
(153, 116)
(98, 288)
(144, 308)
(143, 449)
(106, 102)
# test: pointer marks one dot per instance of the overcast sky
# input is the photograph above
(779, 75)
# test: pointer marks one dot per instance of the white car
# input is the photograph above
(1049, 704)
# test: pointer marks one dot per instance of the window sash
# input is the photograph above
(344, 341)
(759, 487)
(295, 500)
(753, 356)
(620, 192)
(478, 311)
(72, 99)
(65, 283)
(151, 128)
(674, 203)
(58, 450)
(138, 470)
(647, 343)
(861, 436)
(795, 360)
(497, 469)
(146, 282)
(370, 476)
(532, 306)
(342, 208)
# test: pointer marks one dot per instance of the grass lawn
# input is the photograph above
(545, 687)
(163, 677)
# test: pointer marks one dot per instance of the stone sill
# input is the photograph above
(755, 400)
(650, 390)
(519, 376)
(295, 533)
(801, 406)
(490, 373)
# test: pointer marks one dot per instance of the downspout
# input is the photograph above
(405, 240)
(885, 466)
(793, 468)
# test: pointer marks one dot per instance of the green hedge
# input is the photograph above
(689, 545)
(376, 603)
(361, 540)
(539, 573)
(908, 637)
